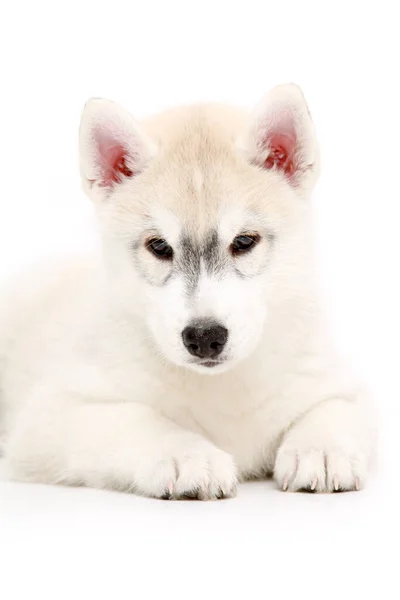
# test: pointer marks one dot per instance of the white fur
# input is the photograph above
(96, 387)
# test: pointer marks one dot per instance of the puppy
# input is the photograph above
(193, 353)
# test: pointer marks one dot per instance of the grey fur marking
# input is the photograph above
(194, 256)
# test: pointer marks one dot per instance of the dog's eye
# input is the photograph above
(244, 243)
(160, 248)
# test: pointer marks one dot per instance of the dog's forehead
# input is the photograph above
(197, 169)
(201, 183)
(197, 225)
(199, 198)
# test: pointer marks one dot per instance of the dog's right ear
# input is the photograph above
(112, 147)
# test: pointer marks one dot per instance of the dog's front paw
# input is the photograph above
(190, 467)
(319, 468)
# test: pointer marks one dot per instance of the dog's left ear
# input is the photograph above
(282, 137)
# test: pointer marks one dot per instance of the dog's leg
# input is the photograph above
(125, 446)
(327, 450)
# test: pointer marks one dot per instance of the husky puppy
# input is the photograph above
(193, 353)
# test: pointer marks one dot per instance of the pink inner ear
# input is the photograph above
(282, 153)
(112, 159)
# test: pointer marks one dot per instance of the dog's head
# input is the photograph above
(201, 216)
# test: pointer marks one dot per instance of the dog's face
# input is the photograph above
(197, 209)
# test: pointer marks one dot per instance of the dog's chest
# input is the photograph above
(240, 418)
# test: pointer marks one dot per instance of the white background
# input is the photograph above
(76, 543)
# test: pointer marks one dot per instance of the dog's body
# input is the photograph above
(195, 353)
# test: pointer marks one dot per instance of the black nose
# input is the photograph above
(205, 340)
